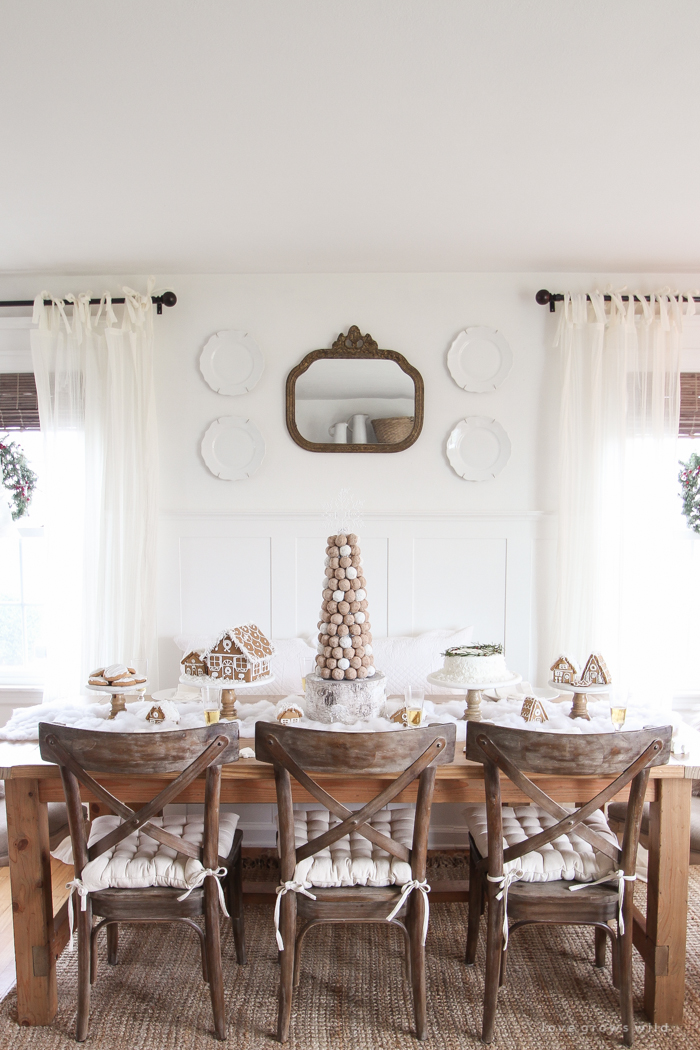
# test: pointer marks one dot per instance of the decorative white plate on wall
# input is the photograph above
(233, 448)
(231, 362)
(478, 448)
(479, 359)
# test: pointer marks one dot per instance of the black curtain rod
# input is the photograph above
(159, 301)
(543, 297)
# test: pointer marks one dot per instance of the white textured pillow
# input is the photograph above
(408, 661)
(353, 860)
(568, 857)
(139, 861)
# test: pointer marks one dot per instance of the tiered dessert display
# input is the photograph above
(119, 680)
(346, 686)
(476, 667)
(239, 654)
(568, 678)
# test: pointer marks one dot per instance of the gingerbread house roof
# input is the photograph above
(249, 639)
(565, 663)
(198, 654)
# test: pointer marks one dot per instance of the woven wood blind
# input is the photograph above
(19, 408)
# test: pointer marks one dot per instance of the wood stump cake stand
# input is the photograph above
(472, 712)
(228, 690)
(579, 707)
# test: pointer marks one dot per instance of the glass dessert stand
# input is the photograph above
(119, 694)
(472, 712)
(579, 707)
(228, 692)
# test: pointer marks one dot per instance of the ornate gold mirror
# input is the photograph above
(354, 398)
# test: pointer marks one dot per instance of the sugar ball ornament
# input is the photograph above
(356, 662)
(337, 674)
(343, 607)
(353, 539)
(327, 651)
(351, 673)
(343, 664)
(329, 572)
(361, 671)
(343, 629)
(349, 619)
(338, 596)
(360, 594)
(371, 671)
(341, 539)
(354, 607)
(359, 650)
(364, 604)
(350, 573)
(327, 594)
(333, 562)
(346, 641)
(369, 651)
(331, 662)
(325, 672)
(339, 574)
(331, 607)
(344, 551)
(330, 541)
(360, 617)
(337, 652)
(344, 585)
(355, 629)
(356, 560)
(344, 563)
(336, 618)
(320, 661)
(332, 628)
(333, 551)
(349, 595)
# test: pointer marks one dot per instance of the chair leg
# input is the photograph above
(112, 943)
(504, 964)
(494, 947)
(235, 907)
(84, 961)
(600, 946)
(474, 920)
(288, 929)
(625, 950)
(415, 919)
(616, 962)
(212, 933)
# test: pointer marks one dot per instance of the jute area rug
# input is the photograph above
(353, 994)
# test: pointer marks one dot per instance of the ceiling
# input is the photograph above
(174, 136)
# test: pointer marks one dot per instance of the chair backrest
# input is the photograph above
(625, 758)
(412, 754)
(189, 752)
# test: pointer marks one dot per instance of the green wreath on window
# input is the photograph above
(689, 478)
(17, 477)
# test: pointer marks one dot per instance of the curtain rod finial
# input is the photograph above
(543, 297)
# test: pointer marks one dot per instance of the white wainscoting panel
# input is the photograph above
(423, 572)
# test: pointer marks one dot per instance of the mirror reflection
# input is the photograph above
(360, 401)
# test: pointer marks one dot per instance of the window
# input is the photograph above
(22, 580)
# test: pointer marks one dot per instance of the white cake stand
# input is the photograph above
(579, 708)
(119, 694)
(228, 693)
(472, 712)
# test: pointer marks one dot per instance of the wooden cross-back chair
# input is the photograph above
(622, 758)
(190, 753)
(411, 755)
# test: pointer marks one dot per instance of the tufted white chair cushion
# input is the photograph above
(353, 860)
(139, 861)
(567, 857)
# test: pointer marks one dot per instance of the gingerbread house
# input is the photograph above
(195, 665)
(564, 671)
(239, 654)
(596, 671)
(533, 710)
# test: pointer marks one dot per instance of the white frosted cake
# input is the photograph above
(472, 664)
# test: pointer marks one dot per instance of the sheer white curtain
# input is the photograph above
(94, 379)
(618, 502)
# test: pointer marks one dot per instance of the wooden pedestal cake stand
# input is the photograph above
(579, 708)
(472, 712)
(228, 692)
(119, 694)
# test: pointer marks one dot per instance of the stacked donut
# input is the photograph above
(345, 638)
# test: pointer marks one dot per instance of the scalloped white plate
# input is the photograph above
(478, 448)
(231, 362)
(479, 359)
(233, 448)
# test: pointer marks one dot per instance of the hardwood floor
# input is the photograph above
(60, 875)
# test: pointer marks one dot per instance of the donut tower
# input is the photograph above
(345, 639)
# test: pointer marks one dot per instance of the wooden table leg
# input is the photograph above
(32, 902)
(667, 901)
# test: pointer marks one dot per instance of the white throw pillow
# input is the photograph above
(285, 666)
(407, 660)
